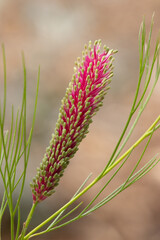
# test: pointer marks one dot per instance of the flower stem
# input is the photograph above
(25, 225)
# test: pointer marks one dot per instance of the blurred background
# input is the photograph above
(52, 34)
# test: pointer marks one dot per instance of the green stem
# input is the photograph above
(12, 225)
(25, 225)
(0, 231)
(61, 209)
(146, 134)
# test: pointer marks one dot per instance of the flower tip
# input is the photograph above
(115, 51)
(97, 42)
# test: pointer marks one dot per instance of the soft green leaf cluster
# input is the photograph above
(14, 147)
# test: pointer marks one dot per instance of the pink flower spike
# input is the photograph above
(82, 100)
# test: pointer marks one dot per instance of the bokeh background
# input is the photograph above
(52, 33)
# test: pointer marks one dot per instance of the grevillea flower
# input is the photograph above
(82, 100)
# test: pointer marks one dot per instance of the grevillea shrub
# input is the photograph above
(82, 100)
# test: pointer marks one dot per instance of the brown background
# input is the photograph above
(52, 34)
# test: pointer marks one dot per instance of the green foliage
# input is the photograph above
(14, 147)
